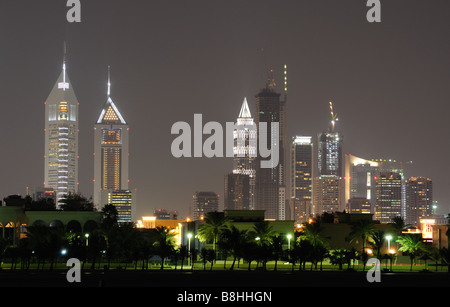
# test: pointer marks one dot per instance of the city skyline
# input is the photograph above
(387, 82)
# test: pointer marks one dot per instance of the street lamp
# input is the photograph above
(389, 238)
(87, 239)
(289, 236)
(189, 235)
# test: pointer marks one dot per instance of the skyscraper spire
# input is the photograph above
(64, 85)
(109, 81)
(110, 113)
(245, 110)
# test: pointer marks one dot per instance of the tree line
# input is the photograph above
(125, 245)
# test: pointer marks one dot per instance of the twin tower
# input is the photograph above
(111, 181)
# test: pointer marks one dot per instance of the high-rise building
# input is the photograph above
(245, 138)
(237, 192)
(359, 179)
(301, 175)
(328, 185)
(360, 205)
(123, 201)
(419, 200)
(204, 202)
(328, 194)
(61, 138)
(330, 160)
(388, 203)
(270, 181)
(110, 153)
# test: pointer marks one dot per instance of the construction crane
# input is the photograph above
(334, 118)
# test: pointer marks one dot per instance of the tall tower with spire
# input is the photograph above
(111, 156)
(61, 138)
(245, 137)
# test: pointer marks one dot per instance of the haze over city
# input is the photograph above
(388, 82)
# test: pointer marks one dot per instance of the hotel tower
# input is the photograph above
(61, 138)
(111, 159)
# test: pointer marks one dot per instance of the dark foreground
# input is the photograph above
(220, 279)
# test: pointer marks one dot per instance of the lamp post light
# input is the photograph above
(87, 239)
(189, 235)
(389, 238)
(289, 236)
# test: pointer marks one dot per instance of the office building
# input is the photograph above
(237, 192)
(328, 185)
(245, 149)
(123, 201)
(270, 182)
(301, 175)
(110, 152)
(419, 200)
(328, 194)
(359, 205)
(388, 204)
(204, 202)
(61, 138)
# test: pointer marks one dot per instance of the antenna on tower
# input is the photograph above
(285, 79)
(64, 62)
(270, 83)
(64, 85)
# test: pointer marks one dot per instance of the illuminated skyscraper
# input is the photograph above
(301, 177)
(329, 184)
(419, 199)
(204, 202)
(123, 201)
(245, 150)
(61, 138)
(388, 196)
(110, 153)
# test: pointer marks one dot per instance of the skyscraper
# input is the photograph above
(61, 138)
(419, 199)
(245, 137)
(329, 185)
(204, 202)
(301, 178)
(330, 154)
(388, 203)
(328, 194)
(123, 201)
(270, 185)
(237, 192)
(110, 152)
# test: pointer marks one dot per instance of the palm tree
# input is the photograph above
(376, 241)
(339, 257)
(163, 243)
(235, 240)
(313, 234)
(277, 249)
(183, 254)
(398, 224)
(363, 229)
(263, 231)
(412, 245)
(213, 224)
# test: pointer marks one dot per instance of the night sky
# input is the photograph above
(389, 82)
